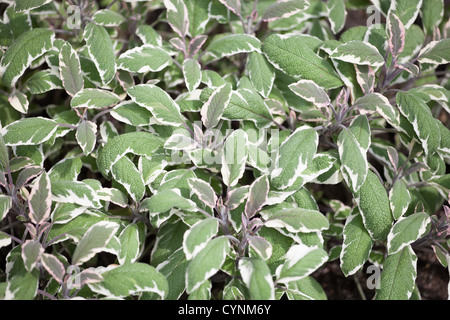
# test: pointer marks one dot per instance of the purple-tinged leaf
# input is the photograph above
(311, 92)
(213, 109)
(26, 175)
(410, 68)
(40, 199)
(31, 253)
(236, 197)
(393, 157)
(196, 44)
(53, 266)
(5, 205)
(88, 277)
(179, 44)
(397, 35)
(233, 5)
(365, 75)
(261, 246)
(258, 193)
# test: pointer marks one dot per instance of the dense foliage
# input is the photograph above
(220, 149)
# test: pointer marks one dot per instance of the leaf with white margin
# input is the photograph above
(234, 157)
(213, 109)
(43, 81)
(237, 196)
(284, 9)
(130, 246)
(257, 196)
(290, 54)
(144, 59)
(174, 269)
(375, 102)
(407, 230)
(130, 279)
(192, 73)
(207, 262)
(422, 120)
(198, 236)
(294, 155)
(28, 131)
(31, 253)
(360, 53)
(21, 285)
(40, 199)
(258, 279)
(22, 52)
(300, 262)
(406, 10)
(261, 73)
(75, 192)
(354, 165)
(70, 69)
(124, 171)
(398, 277)
(93, 98)
(19, 101)
(165, 200)
(177, 16)
(397, 34)
(139, 143)
(356, 245)
(131, 113)
(436, 52)
(432, 14)
(5, 239)
(360, 128)
(5, 205)
(86, 135)
(100, 48)
(296, 220)
(94, 241)
(305, 289)
(311, 92)
(233, 5)
(148, 35)
(158, 102)
(27, 5)
(261, 246)
(399, 198)
(336, 15)
(53, 266)
(233, 44)
(108, 18)
(373, 203)
(204, 191)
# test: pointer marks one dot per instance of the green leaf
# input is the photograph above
(198, 236)
(406, 231)
(360, 128)
(360, 53)
(422, 120)
(257, 196)
(108, 18)
(125, 172)
(311, 92)
(234, 157)
(199, 12)
(174, 269)
(293, 56)
(397, 34)
(26, 5)
(375, 102)
(21, 284)
(53, 266)
(398, 277)
(158, 102)
(374, 207)
(5, 205)
(43, 81)
(94, 241)
(229, 45)
(354, 164)
(76, 192)
(204, 191)
(177, 16)
(19, 101)
(70, 69)
(284, 9)
(213, 109)
(233, 5)
(67, 169)
(356, 245)
(130, 279)
(22, 52)
(86, 135)
(406, 10)
(94, 99)
(206, 263)
(31, 253)
(28, 131)
(432, 14)
(336, 15)
(261, 73)
(305, 289)
(257, 277)
(399, 198)
(192, 73)
(144, 59)
(300, 262)
(165, 200)
(296, 220)
(131, 113)
(40, 199)
(436, 52)
(100, 48)
(294, 155)
(130, 245)
(138, 143)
